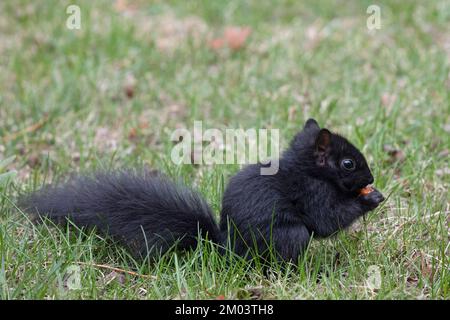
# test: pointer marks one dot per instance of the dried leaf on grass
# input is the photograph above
(129, 86)
(396, 155)
(125, 6)
(234, 38)
(113, 276)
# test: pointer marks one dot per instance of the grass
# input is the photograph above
(64, 108)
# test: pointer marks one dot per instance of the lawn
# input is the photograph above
(108, 95)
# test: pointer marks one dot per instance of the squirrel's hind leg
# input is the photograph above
(289, 242)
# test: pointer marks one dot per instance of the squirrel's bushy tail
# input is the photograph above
(142, 209)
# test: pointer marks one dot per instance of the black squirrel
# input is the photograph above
(315, 193)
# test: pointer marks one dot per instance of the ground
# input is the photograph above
(108, 95)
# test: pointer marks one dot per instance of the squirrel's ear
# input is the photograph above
(311, 123)
(322, 146)
(323, 140)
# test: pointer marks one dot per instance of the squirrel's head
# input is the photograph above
(331, 157)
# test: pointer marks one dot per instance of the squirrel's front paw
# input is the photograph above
(372, 199)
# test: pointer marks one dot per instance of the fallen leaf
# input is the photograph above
(129, 92)
(124, 6)
(129, 86)
(387, 99)
(143, 124)
(113, 276)
(217, 43)
(396, 155)
(120, 5)
(236, 37)
(132, 134)
(233, 38)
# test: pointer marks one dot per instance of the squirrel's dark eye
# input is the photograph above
(348, 164)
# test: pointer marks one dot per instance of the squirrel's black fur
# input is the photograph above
(312, 194)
